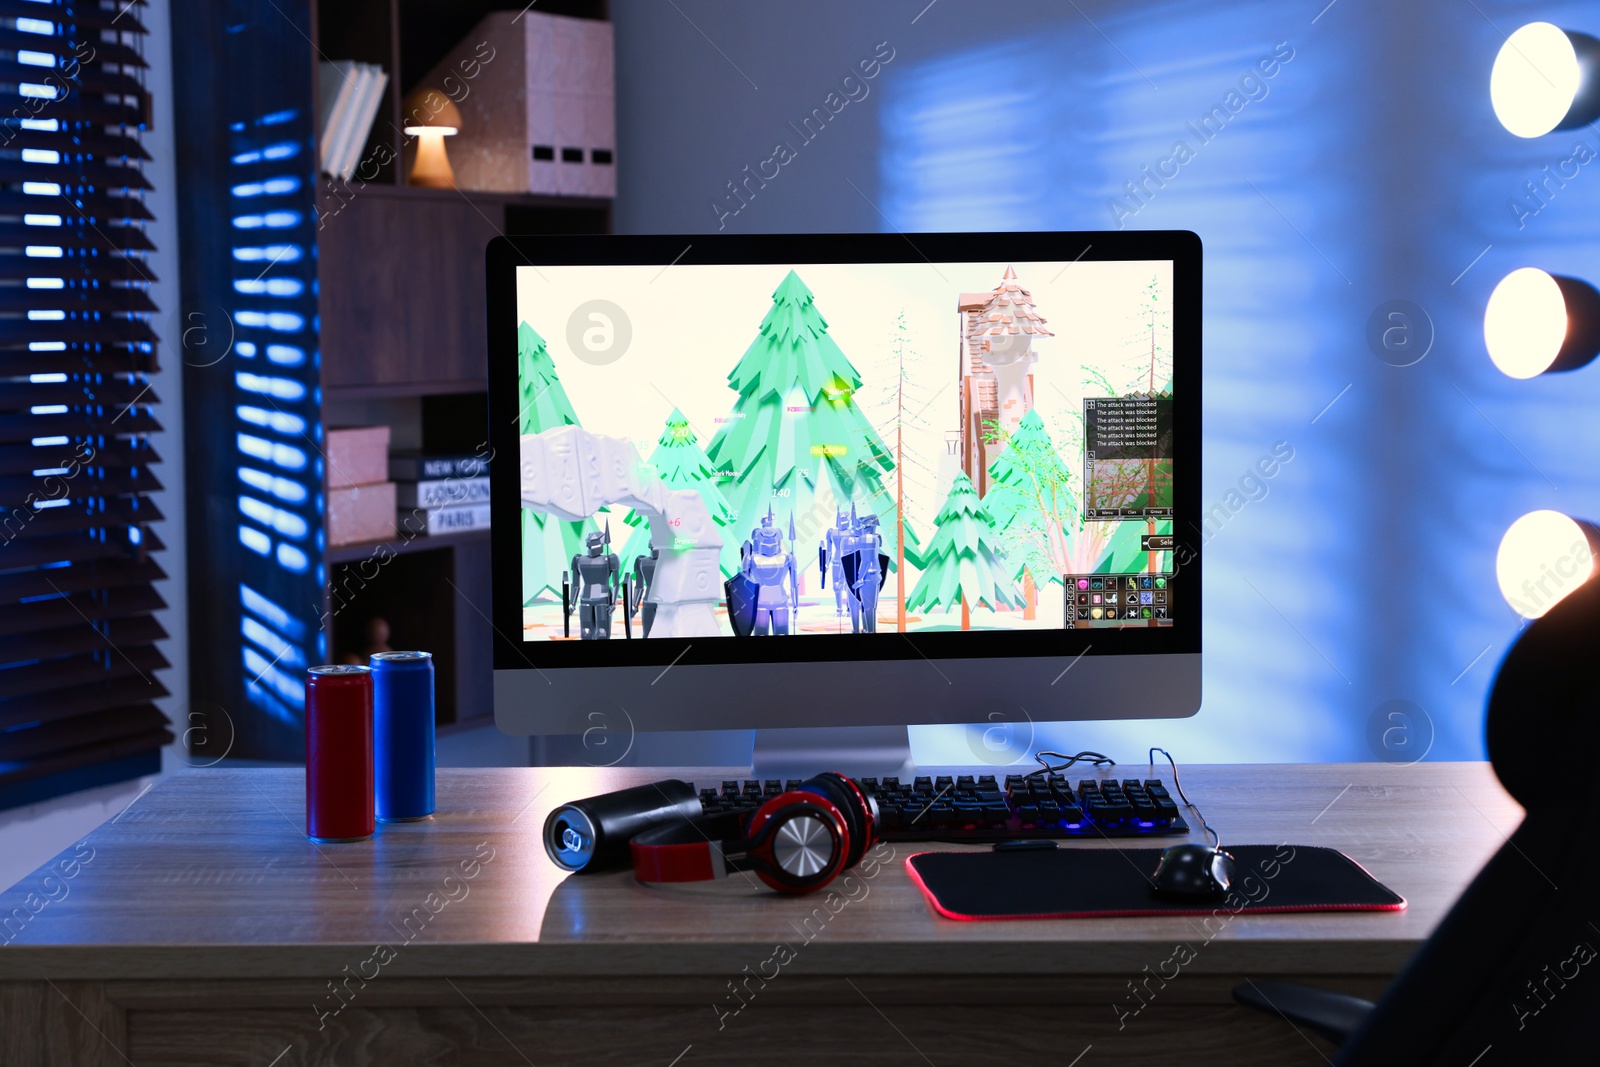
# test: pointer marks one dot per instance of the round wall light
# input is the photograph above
(1545, 78)
(1543, 557)
(1538, 322)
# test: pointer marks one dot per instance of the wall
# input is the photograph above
(1369, 168)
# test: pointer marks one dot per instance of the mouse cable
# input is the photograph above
(1096, 758)
(1216, 842)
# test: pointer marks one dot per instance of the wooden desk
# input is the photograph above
(201, 927)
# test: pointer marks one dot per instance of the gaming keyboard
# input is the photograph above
(981, 808)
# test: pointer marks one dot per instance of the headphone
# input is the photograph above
(796, 842)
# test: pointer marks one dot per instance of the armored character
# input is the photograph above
(830, 560)
(765, 567)
(596, 576)
(644, 573)
(865, 566)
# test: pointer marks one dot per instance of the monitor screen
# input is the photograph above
(939, 448)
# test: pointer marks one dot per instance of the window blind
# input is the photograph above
(79, 651)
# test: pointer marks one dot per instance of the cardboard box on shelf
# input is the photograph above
(537, 96)
(356, 455)
(359, 513)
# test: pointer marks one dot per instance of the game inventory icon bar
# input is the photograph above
(1097, 601)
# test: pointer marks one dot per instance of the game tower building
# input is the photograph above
(997, 332)
(997, 329)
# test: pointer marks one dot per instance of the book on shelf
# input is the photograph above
(341, 85)
(425, 466)
(351, 94)
(454, 519)
(442, 492)
(366, 112)
(336, 88)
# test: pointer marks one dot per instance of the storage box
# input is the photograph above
(537, 95)
(360, 513)
(357, 455)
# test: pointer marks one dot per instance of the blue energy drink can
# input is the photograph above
(402, 734)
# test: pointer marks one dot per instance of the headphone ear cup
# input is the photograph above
(799, 842)
(853, 805)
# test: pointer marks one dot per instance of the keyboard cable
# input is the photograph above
(1216, 842)
(1096, 758)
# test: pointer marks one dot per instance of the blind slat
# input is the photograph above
(70, 172)
(52, 551)
(86, 637)
(24, 459)
(64, 760)
(95, 728)
(70, 610)
(104, 694)
(73, 424)
(97, 206)
(114, 331)
(120, 16)
(18, 360)
(137, 662)
(81, 575)
(75, 233)
(92, 501)
(111, 391)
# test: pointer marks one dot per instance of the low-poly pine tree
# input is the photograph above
(962, 563)
(915, 553)
(548, 543)
(681, 463)
(1031, 501)
(796, 424)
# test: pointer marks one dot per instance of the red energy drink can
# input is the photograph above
(339, 795)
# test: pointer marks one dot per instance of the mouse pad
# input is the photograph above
(1086, 883)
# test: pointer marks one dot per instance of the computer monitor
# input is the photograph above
(844, 480)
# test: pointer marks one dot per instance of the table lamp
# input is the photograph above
(430, 116)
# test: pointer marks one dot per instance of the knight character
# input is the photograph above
(644, 575)
(864, 564)
(597, 575)
(765, 563)
(830, 560)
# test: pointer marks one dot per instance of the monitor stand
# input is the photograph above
(854, 750)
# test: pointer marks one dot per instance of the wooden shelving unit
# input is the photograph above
(403, 546)
(392, 323)
(402, 281)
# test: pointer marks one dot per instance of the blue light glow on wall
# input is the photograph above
(281, 421)
(1366, 167)
(277, 417)
(267, 385)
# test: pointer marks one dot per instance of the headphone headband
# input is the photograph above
(688, 851)
(789, 855)
(692, 861)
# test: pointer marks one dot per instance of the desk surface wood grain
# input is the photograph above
(209, 875)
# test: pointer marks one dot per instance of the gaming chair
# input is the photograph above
(1512, 973)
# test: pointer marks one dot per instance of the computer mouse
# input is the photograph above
(1193, 872)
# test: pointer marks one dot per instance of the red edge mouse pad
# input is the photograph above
(1088, 883)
